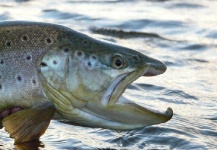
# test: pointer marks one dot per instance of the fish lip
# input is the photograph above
(151, 71)
(108, 94)
(147, 71)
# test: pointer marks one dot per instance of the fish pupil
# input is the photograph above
(118, 62)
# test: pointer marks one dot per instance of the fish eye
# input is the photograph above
(118, 62)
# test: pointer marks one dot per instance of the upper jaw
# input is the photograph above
(118, 86)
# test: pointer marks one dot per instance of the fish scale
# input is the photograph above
(16, 64)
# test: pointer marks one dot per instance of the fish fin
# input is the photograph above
(29, 124)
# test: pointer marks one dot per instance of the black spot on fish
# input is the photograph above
(28, 57)
(89, 64)
(24, 38)
(34, 81)
(66, 50)
(82, 41)
(79, 53)
(94, 57)
(8, 43)
(0, 86)
(19, 78)
(0, 76)
(2, 62)
(48, 41)
(54, 62)
(43, 64)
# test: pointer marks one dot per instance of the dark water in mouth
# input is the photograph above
(181, 33)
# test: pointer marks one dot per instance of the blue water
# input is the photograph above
(181, 33)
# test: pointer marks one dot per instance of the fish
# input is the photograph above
(49, 71)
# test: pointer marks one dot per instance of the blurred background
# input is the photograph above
(181, 33)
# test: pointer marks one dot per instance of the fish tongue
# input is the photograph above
(30, 124)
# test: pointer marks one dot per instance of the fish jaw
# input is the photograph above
(125, 115)
(121, 113)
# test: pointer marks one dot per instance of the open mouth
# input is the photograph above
(117, 108)
(118, 86)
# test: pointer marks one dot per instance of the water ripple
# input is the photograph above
(53, 13)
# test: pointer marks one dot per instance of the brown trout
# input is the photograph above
(48, 70)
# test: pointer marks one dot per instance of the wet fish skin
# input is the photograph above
(45, 63)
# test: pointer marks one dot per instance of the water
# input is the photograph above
(181, 33)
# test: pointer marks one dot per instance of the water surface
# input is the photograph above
(181, 33)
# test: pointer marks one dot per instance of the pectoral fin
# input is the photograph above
(29, 124)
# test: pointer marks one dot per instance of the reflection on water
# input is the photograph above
(183, 34)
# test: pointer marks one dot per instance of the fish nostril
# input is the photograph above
(137, 58)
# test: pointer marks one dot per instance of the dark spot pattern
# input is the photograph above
(28, 57)
(34, 81)
(79, 53)
(25, 38)
(43, 64)
(94, 57)
(48, 41)
(83, 41)
(2, 62)
(89, 64)
(54, 62)
(0, 86)
(66, 50)
(8, 43)
(19, 78)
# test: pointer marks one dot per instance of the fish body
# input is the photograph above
(48, 69)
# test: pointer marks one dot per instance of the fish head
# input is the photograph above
(86, 85)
